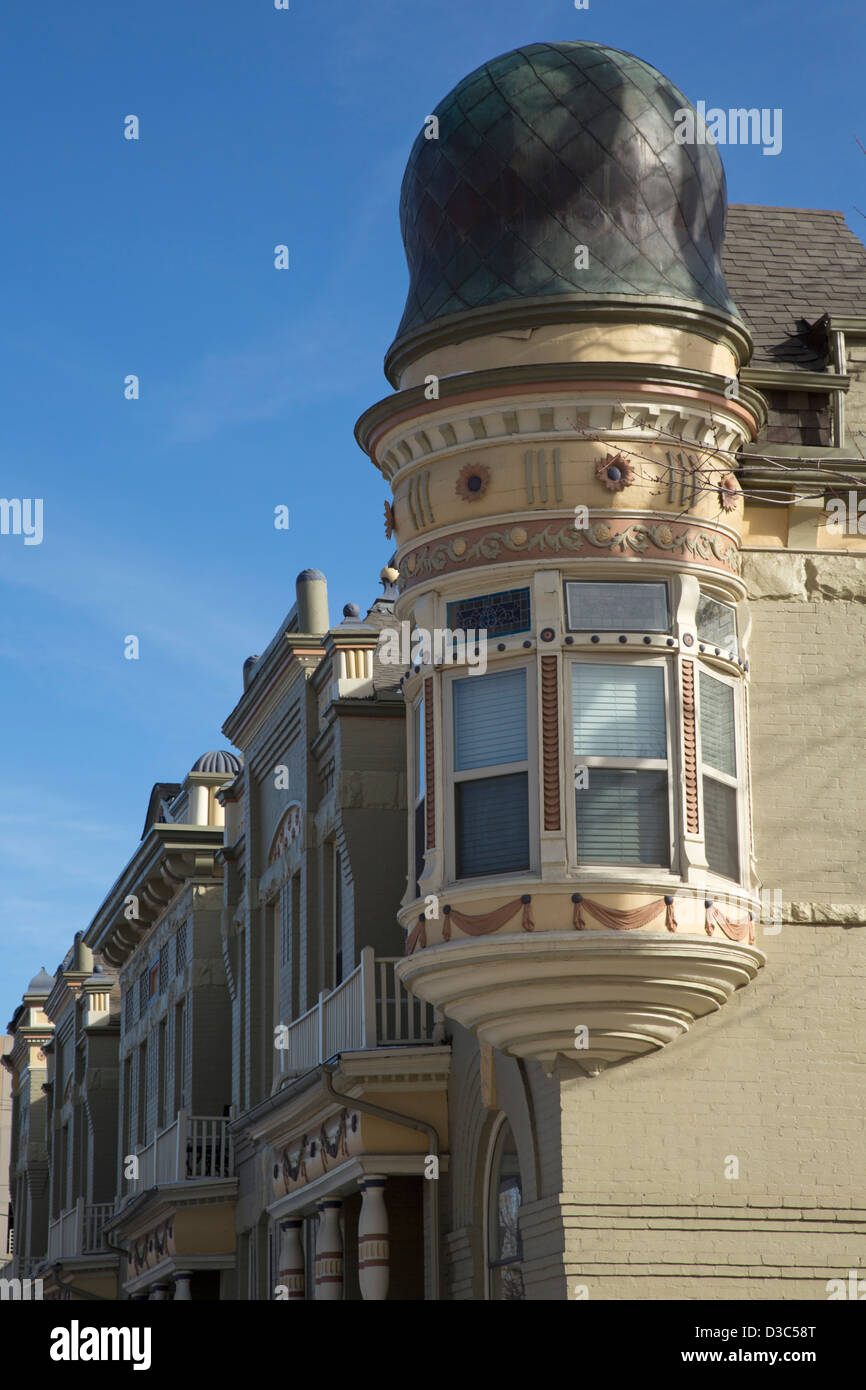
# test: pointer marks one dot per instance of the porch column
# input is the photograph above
(373, 1243)
(292, 1271)
(329, 1251)
(182, 1280)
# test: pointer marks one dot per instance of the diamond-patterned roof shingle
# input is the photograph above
(548, 148)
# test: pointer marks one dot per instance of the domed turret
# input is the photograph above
(563, 441)
(547, 149)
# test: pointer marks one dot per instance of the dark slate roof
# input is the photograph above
(162, 792)
(785, 268)
(386, 678)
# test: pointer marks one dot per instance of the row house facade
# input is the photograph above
(530, 964)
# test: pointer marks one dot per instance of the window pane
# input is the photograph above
(497, 614)
(622, 818)
(505, 1252)
(717, 725)
(720, 828)
(717, 623)
(492, 825)
(490, 720)
(622, 607)
(619, 711)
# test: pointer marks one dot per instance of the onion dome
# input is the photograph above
(223, 762)
(549, 148)
(43, 983)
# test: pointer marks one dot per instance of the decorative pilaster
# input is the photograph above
(373, 1244)
(690, 755)
(329, 1251)
(550, 740)
(430, 764)
(292, 1270)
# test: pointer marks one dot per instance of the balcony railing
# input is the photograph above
(192, 1146)
(369, 1009)
(78, 1231)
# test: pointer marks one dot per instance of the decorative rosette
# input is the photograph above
(729, 493)
(615, 472)
(473, 482)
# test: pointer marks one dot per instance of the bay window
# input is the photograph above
(620, 737)
(491, 773)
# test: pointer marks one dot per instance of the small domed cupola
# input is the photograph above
(207, 774)
(221, 761)
(41, 984)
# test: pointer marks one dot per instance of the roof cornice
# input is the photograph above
(854, 324)
(565, 375)
(278, 670)
(785, 378)
(167, 858)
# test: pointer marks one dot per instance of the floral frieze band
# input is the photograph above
(629, 537)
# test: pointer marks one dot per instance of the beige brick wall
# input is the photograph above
(808, 739)
(774, 1079)
(855, 400)
(643, 1208)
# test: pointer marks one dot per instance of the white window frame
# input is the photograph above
(739, 783)
(668, 765)
(529, 765)
(606, 579)
(494, 1152)
(724, 603)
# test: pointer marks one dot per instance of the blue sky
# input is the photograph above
(155, 257)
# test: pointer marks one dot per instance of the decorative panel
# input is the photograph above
(499, 615)
(550, 741)
(689, 749)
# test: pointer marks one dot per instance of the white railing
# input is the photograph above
(95, 1216)
(369, 1009)
(192, 1146)
(78, 1231)
(209, 1147)
(400, 1016)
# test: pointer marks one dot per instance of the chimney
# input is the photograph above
(312, 591)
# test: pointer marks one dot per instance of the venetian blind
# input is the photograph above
(717, 725)
(619, 711)
(490, 720)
